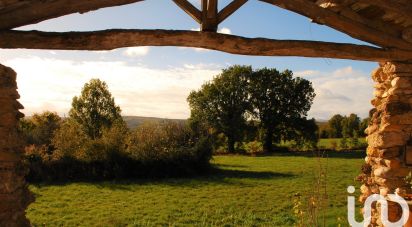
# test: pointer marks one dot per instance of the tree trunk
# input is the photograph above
(231, 144)
(267, 144)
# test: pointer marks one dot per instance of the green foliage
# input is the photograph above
(95, 108)
(335, 124)
(152, 150)
(350, 125)
(222, 104)
(274, 100)
(362, 127)
(279, 100)
(70, 140)
(253, 147)
(39, 128)
(343, 143)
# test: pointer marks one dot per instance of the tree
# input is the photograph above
(95, 109)
(278, 101)
(335, 125)
(304, 132)
(222, 104)
(350, 125)
(39, 128)
(362, 127)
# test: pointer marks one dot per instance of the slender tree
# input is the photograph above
(222, 103)
(335, 125)
(278, 100)
(95, 108)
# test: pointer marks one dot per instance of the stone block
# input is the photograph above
(396, 67)
(386, 139)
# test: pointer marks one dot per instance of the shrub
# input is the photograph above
(171, 146)
(152, 150)
(253, 147)
(39, 128)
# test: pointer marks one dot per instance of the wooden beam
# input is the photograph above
(212, 9)
(346, 25)
(112, 39)
(404, 10)
(342, 7)
(209, 16)
(36, 11)
(190, 10)
(230, 9)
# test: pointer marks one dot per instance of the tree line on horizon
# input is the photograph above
(94, 143)
(239, 110)
(342, 126)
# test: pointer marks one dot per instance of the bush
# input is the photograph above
(171, 146)
(152, 150)
(39, 128)
(253, 147)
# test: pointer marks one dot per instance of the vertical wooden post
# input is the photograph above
(14, 193)
(209, 15)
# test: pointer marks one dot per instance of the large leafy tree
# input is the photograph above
(222, 103)
(279, 100)
(335, 125)
(95, 108)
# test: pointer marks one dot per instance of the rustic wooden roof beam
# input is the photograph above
(230, 9)
(37, 11)
(112, 39)
(342, 8)
(404, 10)
(190, 10)
(353, 28)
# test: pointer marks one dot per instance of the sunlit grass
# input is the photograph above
(246, 191)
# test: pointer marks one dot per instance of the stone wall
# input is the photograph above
(14, 194)
(389, 133)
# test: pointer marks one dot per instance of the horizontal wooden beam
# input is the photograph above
(190, 10)
(36, 11)
(346, 25)
(230, 9)
(112, 39)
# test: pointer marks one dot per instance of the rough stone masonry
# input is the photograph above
(389, 134)
(14, 193)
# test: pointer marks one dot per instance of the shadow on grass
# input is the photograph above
(215, 176)
(359, 154)
(219, 173)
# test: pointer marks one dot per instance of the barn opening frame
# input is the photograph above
(386, 24)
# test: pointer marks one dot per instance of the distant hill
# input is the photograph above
(134, 121)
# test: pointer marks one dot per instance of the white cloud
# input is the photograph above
(225, 31)
(342, 91)
(50, 84)
(136, 51)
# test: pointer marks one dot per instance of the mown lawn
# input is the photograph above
(246, 191)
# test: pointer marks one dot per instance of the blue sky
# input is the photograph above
(154, 81)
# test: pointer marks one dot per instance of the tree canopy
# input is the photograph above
(279, 100)
(95, 108)
(222, 103)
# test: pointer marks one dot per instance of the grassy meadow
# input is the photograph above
(242, 191)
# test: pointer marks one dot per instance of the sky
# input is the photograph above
(155, 81)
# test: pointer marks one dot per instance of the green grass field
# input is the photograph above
(327, 143)
(244, 191)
